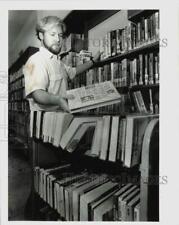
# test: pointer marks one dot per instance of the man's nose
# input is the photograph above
(57, 38)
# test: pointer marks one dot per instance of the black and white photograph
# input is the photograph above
(83, 115)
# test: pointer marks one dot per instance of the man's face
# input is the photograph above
(53, 39)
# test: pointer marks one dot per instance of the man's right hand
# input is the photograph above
(64, 105)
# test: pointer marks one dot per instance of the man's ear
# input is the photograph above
(41, 36)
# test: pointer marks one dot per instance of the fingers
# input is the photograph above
(64, 105)
(70, 96)
(97, 56)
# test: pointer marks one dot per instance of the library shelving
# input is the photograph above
(131, 62)
(19, 111)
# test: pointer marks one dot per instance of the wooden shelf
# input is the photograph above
(18, 78)
(135, 15)
(139, 87)
(79, 21)
(130, 54)
(19, 89)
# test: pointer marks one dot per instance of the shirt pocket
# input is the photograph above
(55, 85)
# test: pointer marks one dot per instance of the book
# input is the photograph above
(114, 139)
(47, 172)
(136, 125)
(102, 209)
(97, 203)
(130, 207)
(94, 182)
(93, 96)
(105, 137)
(121, 197)
(74, 125)
(123, 189)
(97, 138)
(137, 212)
(68, 196)
(123, 139)
(32, 123)
(64, 183)
(68, 184)
(92, 195)
(82, 129)
(139, 102)
(125, 201)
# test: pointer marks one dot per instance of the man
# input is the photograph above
(45, 75)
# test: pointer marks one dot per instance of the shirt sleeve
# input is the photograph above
(71, 71)
(36, 76)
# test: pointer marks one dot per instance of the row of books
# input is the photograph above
(120, 139)
(132, 36)
(17, 95)
(114, 138)
(16, 75)
(74, 59)
(80, 196)
(22, 106)
(74, 42)
(142, 70)
(17, 84)
(122, 107)
(21, 119)
(21, 131)
(141, 106)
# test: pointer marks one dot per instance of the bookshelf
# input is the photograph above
(18, 106)
(45, 155)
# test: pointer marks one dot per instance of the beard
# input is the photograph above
(54, 48)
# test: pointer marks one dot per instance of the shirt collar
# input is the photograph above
(48, 54)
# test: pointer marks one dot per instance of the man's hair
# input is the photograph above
(47, 22)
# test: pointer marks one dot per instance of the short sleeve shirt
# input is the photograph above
(44, 71)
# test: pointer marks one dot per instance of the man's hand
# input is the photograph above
(69, 97)
(64, 104)
(96, 57)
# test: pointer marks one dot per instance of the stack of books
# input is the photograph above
(80, 196)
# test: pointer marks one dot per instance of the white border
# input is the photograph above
(169, 93)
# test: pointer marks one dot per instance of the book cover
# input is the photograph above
(74, 125)
(114, 139)
(130, 207)
(82, 129)
(97, 138)
(95, 204)
(105, 137)
(92, 195)
(94, 182)
(102, 209)
(63, 121)
(125, 201)
(121, 197)
(123, 189)
(137, 212)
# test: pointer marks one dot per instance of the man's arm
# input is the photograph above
(82, 68)
(45, 98)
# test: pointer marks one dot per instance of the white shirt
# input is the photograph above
(45, 71)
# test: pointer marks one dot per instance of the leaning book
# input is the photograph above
(93, 96)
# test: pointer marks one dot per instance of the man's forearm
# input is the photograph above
(45, 98)
(82, 68)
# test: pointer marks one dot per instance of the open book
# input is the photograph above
(93, 96)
